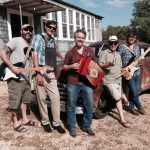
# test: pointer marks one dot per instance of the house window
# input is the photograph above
(97, 23)
(64, 30)
(71, 29)
(77, 20)
(89, 28)
(93, 29)
(83, 21)
(64, 24)
(54, 16)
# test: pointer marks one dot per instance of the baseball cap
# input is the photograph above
(26, 26)
(113, 38)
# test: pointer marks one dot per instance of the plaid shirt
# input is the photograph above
(127, 56)
(38, 44)
(72, 56)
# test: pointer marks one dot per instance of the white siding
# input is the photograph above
(65, 43)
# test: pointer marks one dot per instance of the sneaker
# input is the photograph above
(47, 128)
(89, 132)
(142, 111)
(59, 129)
(73, 133)
(133, 112)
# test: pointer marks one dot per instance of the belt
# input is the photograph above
(48, 70)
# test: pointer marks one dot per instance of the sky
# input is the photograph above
(115, 12)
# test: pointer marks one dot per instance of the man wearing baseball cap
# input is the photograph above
(111, 63)
(18, 89)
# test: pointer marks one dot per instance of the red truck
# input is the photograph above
(101, 96)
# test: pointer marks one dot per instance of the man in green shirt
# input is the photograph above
(111, 63)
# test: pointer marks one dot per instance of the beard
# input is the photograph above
(27, 37)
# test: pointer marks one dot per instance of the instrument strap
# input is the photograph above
(128, 48)
(27, 55)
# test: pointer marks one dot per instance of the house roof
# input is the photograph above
(33, 6)
(78, 8)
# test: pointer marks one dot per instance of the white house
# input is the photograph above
(13, 13)
(73, 18)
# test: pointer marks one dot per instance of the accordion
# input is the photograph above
(91, 70)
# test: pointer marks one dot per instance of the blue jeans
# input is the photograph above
(133, 84)
(73, 91)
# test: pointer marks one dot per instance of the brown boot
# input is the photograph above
(134, 112)
(142, 111)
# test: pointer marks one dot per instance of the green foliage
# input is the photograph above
(119, 31)
(140, 23)
(141, 19)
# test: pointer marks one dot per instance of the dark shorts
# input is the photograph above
(19, 92)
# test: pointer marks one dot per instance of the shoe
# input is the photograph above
(125, 124)
(47, 128)
(59, 129)
(29, 123)
(89, 132)
(133, 112)
(20, 128)
(142, 111)
(73, 133)
(126, 107)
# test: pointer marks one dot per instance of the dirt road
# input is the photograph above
(110, 135)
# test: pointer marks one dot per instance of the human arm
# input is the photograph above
(35, 51)
(67, 62)
(104, 62)
(72, 66)
(5, 59)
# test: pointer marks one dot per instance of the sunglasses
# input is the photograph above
(51, 27)
(28, 29)
(113, 43)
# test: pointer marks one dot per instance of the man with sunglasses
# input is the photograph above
(44, 54)
(18, 89)
(110, 61)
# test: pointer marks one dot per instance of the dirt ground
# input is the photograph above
(110, 134)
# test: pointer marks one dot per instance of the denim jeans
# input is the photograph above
(133, 84)
(86, 92)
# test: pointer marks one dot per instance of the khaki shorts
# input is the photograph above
(115, 90)
(19, 92)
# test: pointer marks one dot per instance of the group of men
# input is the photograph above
(44, 53)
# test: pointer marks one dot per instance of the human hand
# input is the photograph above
(16, 70)
(75, 66)
(40, 79)
(109, 64)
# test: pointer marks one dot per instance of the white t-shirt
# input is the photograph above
(17, 46)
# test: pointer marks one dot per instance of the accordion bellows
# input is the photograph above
(91, 70)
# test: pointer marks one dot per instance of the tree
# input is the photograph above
(141, 19)
(118, 30)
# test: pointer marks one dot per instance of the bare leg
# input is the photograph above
(24, 113)
(120, 110)
(125, 100)
(15, 120)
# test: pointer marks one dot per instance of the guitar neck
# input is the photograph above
(28, 69)
(136, 61)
